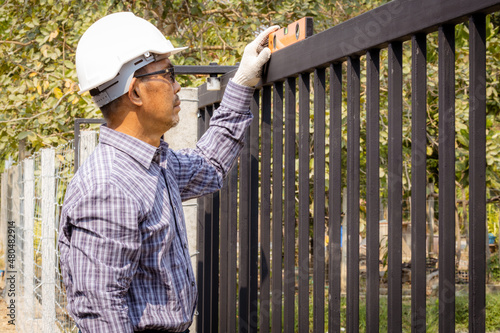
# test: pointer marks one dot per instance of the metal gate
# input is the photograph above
(251, 275)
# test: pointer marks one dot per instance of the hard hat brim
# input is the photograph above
(168, 54)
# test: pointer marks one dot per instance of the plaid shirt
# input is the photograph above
(123, 242)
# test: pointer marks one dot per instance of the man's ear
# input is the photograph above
(134, 92)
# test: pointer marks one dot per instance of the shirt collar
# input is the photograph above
(142, 152)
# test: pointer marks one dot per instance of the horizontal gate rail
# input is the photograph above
(397, 20)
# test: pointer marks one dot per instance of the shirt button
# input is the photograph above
(192, 283)
(185, 246)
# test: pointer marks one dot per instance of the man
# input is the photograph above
(122, 235)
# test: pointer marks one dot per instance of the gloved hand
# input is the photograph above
(254, 57)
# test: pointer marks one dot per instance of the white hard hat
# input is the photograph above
(112, 49)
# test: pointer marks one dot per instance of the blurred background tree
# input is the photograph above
(38, 39)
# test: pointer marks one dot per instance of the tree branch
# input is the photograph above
(14, 42)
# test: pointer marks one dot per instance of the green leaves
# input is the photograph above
(38, 96)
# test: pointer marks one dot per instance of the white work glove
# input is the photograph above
(254, 57)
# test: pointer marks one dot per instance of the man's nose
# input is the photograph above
(177, 87)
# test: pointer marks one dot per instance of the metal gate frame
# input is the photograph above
(227, 304)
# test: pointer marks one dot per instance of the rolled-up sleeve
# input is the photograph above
(102, 259)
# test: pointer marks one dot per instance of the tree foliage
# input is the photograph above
(38, 39)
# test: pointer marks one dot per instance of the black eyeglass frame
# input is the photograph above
(169, 70)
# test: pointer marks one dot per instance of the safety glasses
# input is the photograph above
(168, 71)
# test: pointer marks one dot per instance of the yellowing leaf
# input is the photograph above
(58, 93)
(43, 50)
(31, 75)
(429, 151)
(39, 89)
(53, 35)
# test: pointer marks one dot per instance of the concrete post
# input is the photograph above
(88, 142)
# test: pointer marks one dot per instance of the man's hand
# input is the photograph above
(254, 57)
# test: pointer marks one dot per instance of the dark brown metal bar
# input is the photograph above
(335, 197)
(318, 252)
(233, 240)
(244, 242)
(304, 113)
(254, 214)
(353, 141)
(265, 210)
(395, 169)
(289, 231)
(277, 209)
(214, 279)
(477, 173)
(372, 189)
(224, 257)
(418, 182)
(447, 178)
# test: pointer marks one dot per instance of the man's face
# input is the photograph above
(161, 105)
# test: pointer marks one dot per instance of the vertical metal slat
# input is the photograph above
(224, 257)
(395, 162)
(319, 202)
(214, 278)
(447, 178)
(289, 228)
(277, 209)
(477, 173)
(353, 158)
(418, 182)
(265, 218)
(335, 198)
(233, 240)
(372, 189)
(303, 298)
(244, 241)
(254, 214)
